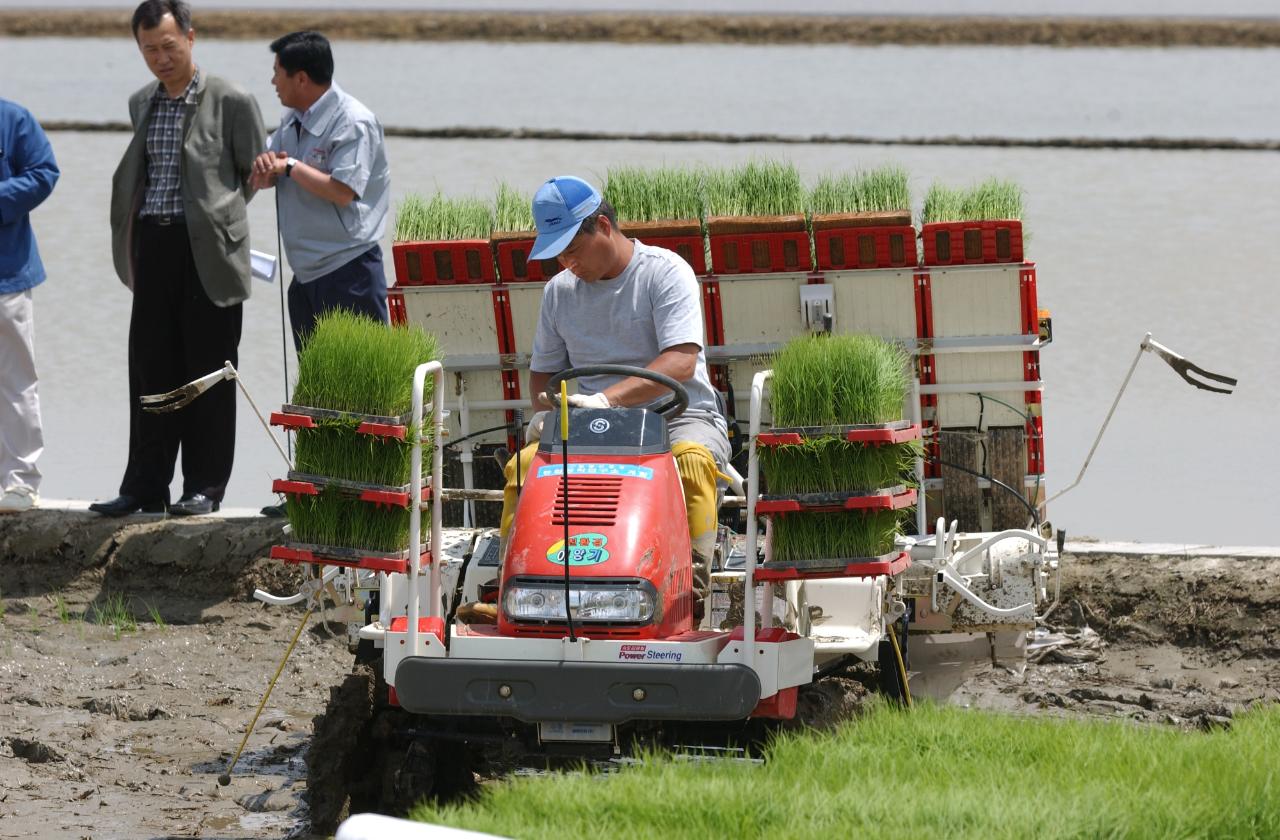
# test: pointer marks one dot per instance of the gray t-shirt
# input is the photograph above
(627, 320)
(343, 138)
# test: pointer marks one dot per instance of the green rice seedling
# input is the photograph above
(115, 613)
(353, 363)
(966, 771)
(943, 204)
(878, 190)
(334, 449)
(757, 188)
(60, 604)
(156, 618)
(834, 465)
(512, 210)
(334, 519)
(806, 537)
(442, 219)
(838, 380)
(667, 193)
(992, 199)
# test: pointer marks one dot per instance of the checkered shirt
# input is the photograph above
(164, 152)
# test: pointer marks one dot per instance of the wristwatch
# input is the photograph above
(288, 166)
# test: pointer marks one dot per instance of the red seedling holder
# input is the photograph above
(971, 243)
(869, 435)
(759, 244)
(305, 417)
(349, 557)
(443, 263)
(297, 485)
(865, 247)
(807, 504)
(688, 248)
(514, 265)
(889, 564)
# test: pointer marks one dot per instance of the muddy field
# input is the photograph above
(123, 733)
(678, 28)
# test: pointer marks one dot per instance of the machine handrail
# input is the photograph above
(753, 495)
(436, 369)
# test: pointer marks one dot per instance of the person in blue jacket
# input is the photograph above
(27, 175)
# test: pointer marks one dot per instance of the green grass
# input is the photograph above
(337, 520)
(353, 363)
(928, 772)
(667, 193)
(60, 604)
(156, 618)
(992, 199)
(114, 612)
(833, 465)
(758, 188)
(441, 218)
(800, 537)
(838, 380)
(878, 190)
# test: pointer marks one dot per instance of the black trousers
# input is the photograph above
(177, 334)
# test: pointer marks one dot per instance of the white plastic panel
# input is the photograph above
(761, 308)
(976, 300)
(878, 302)
(460, 317)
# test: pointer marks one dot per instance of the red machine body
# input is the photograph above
(627, 527)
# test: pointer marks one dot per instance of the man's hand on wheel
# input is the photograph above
(592, 401)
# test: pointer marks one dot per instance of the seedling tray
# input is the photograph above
(308, 484)
(872, 435)
(329, 555)
(305, 417)
(443, 263)
(888, 498)
(886, 564)
(511, 250)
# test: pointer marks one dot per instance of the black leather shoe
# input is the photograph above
(193, 504)
(125, 505)
(274, 511)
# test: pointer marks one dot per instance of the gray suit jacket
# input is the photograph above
(221, 136)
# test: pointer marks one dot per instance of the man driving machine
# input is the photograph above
(619, 301)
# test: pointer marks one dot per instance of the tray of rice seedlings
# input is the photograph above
(513, 235)
(981, 224)
(332, 519)
(443, 240)
(839, 457)
(756, 219)
(863, 220)
(663, 206)
(355, 390)
(809, 544)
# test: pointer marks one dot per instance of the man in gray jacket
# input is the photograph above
(180, 241)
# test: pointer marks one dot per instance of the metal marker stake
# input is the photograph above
(564, 457)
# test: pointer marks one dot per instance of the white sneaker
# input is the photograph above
(18, 499)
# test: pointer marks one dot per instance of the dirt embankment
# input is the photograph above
(679, 28)
(111, 730)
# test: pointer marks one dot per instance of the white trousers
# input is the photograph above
(21, 439)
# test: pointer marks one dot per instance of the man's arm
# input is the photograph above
(34, 170)
(269, 168)
(247, 135)
(678, 362)
(537, 385)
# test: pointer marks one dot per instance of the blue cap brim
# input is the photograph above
(549, 245)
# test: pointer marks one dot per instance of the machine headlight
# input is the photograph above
(631, 602)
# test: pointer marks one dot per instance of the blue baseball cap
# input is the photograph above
(559, 207)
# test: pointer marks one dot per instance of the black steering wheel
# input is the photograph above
(667, 411)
